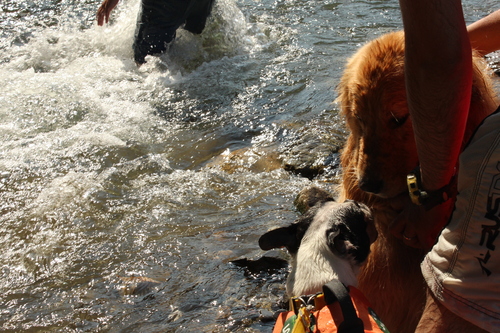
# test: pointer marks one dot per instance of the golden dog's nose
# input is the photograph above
(371, 185)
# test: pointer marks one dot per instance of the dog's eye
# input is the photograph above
(359, 119)
(357, 123)
(396, 122)
(340, 245)
(336, 240)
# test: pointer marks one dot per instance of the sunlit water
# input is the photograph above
(109, 171)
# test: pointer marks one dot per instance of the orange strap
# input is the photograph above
(330, 316)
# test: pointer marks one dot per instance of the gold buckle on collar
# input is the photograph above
(317, 301)
(417, 195)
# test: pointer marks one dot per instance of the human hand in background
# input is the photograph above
(418, 227)
(104, 11)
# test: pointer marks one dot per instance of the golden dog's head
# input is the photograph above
(380, 150)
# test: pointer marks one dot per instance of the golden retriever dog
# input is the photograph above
(380, 151)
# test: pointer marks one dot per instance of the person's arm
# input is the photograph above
(438, 76)
(104, 11)
(484, 34)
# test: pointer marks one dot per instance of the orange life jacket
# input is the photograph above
(328, 317)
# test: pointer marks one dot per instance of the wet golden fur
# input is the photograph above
(379, 153)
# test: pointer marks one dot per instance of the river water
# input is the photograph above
(110, 172)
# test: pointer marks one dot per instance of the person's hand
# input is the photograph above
(418, 227)
(104, 11)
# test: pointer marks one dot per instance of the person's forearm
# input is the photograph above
(484, 34)
(438, 73)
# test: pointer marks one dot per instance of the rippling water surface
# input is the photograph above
(167, 172)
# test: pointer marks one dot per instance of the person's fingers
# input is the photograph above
(414, 242)
(101, 14)
(403, 228)
(104, 12)
(411, 237)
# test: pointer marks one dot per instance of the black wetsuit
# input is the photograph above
(159, 19)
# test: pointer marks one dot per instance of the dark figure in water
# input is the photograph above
(158, 21)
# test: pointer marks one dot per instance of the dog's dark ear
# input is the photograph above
(281, 237)
(290, 236)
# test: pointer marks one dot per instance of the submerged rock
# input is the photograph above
(314, 151)
(311, 151)
(253, 159)
(137, 285)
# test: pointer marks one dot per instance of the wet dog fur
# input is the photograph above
(330, 241)
(380, 151)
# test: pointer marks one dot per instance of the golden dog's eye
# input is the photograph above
(358, 123)
(359, 120)
(396, 122)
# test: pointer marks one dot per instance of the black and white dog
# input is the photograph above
(330, 241)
